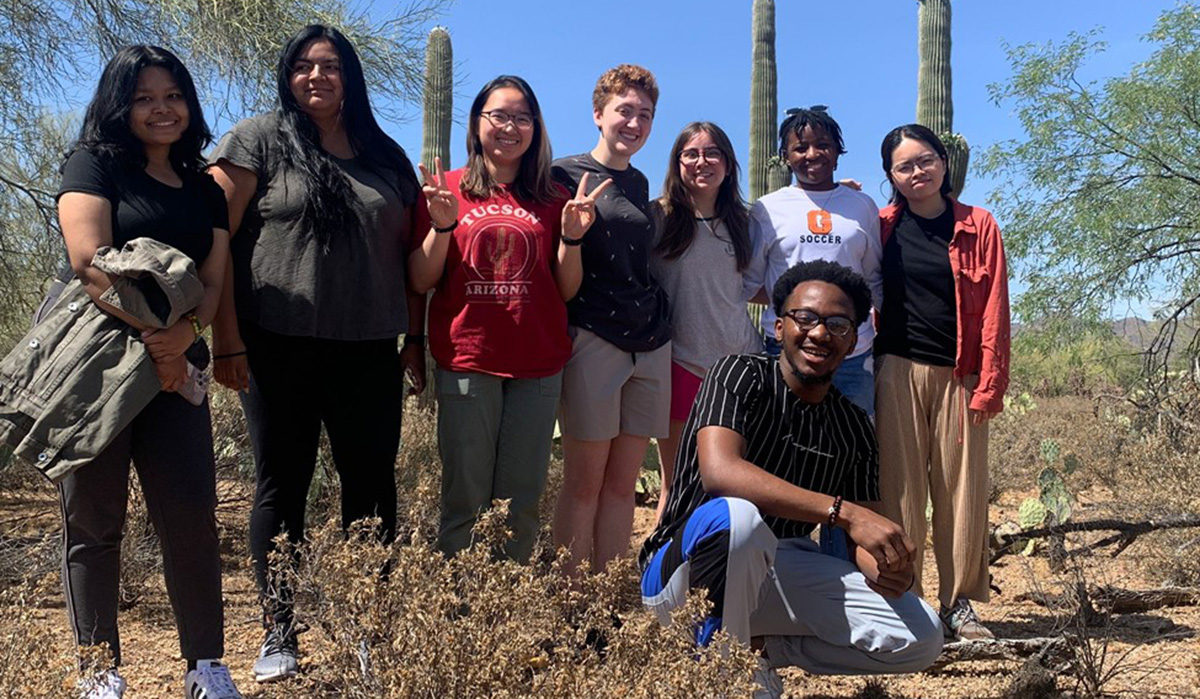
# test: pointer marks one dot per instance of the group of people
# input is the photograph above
(557, 290)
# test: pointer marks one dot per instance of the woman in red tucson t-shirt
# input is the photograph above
(500, 249)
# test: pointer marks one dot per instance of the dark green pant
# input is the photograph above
(494, 437)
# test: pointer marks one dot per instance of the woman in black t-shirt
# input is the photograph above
(136, 171)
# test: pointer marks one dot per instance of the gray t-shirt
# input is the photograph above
(707, 296)
(283, 281)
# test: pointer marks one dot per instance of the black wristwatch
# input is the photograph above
(412, 339)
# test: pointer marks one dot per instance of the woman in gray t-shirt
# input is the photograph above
(706, 261)
(320, 203)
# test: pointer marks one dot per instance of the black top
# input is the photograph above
(619, 298)
(142, 207)
(918, 318)
(827, 447)
(284, 280)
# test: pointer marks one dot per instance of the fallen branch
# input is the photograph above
(1118, 600)
(1049, 651)
(1121, 601)
(1126, 533)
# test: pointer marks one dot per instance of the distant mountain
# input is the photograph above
(1136, 331)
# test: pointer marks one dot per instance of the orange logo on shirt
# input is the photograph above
(820, 221)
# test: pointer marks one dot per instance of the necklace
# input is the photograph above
(820, 221)
(707, 221)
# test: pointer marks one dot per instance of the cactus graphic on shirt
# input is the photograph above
(500, 253)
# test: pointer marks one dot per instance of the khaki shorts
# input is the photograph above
(607, 391)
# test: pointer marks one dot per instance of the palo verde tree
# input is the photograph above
(1101, 196)
(51, 51)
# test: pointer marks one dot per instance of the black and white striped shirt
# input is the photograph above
(828, 447)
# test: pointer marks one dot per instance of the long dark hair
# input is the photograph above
(917, 133)
(679, 215)
(330, 204)
(533, 181)
(106, 129)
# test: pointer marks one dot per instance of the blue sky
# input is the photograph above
(857, 56)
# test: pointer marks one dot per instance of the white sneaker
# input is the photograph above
(210, 680)
(770, 684)
(106, 685)
(277, 657)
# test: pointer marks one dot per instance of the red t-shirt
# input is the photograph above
(497, 309)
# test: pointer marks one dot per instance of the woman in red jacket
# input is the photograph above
(943, 348)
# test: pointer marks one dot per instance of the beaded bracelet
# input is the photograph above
(834, 510)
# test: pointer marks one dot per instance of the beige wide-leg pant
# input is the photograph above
(928, 449)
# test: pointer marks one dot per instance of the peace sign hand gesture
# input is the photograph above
(579, 213)
(443, 205)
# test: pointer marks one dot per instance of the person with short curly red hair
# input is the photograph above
(616, 386)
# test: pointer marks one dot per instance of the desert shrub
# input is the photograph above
(1163, 477)
(1088, 360)
(1096, 437)
(26, 637)
(1146, 455)
(418, 474)
(478, 625)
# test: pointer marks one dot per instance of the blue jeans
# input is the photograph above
(855, 378)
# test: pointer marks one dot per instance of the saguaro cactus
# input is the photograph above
(439, 98)
(935, 106)
(765, 174)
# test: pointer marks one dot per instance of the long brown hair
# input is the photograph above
(533, 183)
(679, 215)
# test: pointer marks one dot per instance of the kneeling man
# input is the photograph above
(769, 451)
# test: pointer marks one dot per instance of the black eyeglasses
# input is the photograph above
(501, 119)
(838, 326)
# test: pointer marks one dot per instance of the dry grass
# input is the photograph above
(31, 667)
(480, 626)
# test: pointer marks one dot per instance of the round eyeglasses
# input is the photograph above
(838, 326)
(501, 119)
(691, 156)
(926, 163)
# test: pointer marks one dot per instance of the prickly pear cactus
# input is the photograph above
(1050, 451)
(1032, 513)
(1031, 516)
(1055, 497)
